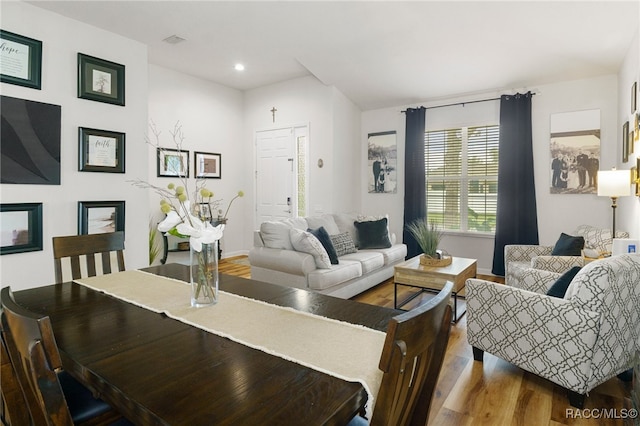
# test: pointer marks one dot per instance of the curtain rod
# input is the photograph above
(460, 103)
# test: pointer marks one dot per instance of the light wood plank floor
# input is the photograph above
(493, 392)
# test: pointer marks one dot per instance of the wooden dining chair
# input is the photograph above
(51, 395)
(13, 410)
(411, 360)
(75, 247)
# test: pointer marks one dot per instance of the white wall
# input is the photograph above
(556, 213)
(628, 214)
(62, 39)
(211, 119)
(333, 131)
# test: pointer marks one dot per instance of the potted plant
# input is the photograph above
(428, 236)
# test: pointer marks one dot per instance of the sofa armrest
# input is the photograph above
(535, 280)
(289, 261)
(559, 264)
(542, 334)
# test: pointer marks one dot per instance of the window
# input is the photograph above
(461, 171)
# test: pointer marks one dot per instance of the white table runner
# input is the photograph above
(348, 351)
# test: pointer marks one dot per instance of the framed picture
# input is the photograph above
(382, 160)
(100, 150)
(634, 97)
(30, 142)
(20, 60)
(99, 217)
(208, 165)
(100, 80)
(631, 140)
(625, 142)
(20, 228)
(173, 163)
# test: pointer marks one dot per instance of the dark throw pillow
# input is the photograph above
(322, 235)
(343, 243)
(568, 246)
(373, 234)
(559, 288)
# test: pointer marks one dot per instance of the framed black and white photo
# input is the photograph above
(382, 156)
(99, 217)
(20, 228)
(634, 97)
(208, 165)
(574, 151)
(100, 150)
(20, 60)
(172, 163)
(100, 80)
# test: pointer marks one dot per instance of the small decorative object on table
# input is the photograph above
(193, 221)
(428, 237)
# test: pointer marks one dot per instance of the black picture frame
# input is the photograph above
(172, 163)
(207, 165)
(23, 215)
(98, 217)
(101, 150)
(625, 142)
(26, 72)
(100, 80)
(634, 97)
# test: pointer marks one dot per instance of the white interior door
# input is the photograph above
(275, 176)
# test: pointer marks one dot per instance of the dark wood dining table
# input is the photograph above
(160, 371)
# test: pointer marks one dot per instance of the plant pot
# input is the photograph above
(431, 261)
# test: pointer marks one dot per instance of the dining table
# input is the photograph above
(157, 370)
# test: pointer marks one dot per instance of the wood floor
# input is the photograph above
(493, 392)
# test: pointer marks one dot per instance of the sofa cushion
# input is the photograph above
(393, 254)
(343, 243)
(321, 279)
(373, 234)
(345, 224)
(306, 242)
(275, 234)
(568, 245)
(326, 221)
(370, 260)
(559, 288)
(322, 236)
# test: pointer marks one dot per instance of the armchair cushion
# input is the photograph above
(568, 245)
(559, 288)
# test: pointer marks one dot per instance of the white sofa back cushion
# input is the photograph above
(325, 220)
(275, 234)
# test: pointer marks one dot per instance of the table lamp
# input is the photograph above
(614, 183)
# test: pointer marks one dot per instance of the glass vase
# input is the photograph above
(204, 275)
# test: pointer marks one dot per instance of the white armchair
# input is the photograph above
(577, 342)
(523, 261)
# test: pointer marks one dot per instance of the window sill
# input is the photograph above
(469, 234)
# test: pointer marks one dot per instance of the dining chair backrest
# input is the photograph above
(75, 247)
(14, 407)
(411, 360)
(34, 354)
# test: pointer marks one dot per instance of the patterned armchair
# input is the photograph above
(577, 342)
(523, 262)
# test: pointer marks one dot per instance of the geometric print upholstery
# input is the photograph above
(577, 342)
(539, 257)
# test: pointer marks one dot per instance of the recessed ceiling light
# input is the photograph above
(174, 39)
(239, 67)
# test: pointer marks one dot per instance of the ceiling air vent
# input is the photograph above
(174, 39)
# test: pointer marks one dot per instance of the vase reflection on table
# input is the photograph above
(204, 275)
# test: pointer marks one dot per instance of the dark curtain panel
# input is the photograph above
(415, 203)
(516, 221)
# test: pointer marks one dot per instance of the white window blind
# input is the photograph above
(461, 170)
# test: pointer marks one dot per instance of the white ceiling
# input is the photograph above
(378, 53)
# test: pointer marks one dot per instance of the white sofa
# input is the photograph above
(274, 260)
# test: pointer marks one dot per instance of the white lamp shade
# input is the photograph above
(614, 183)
